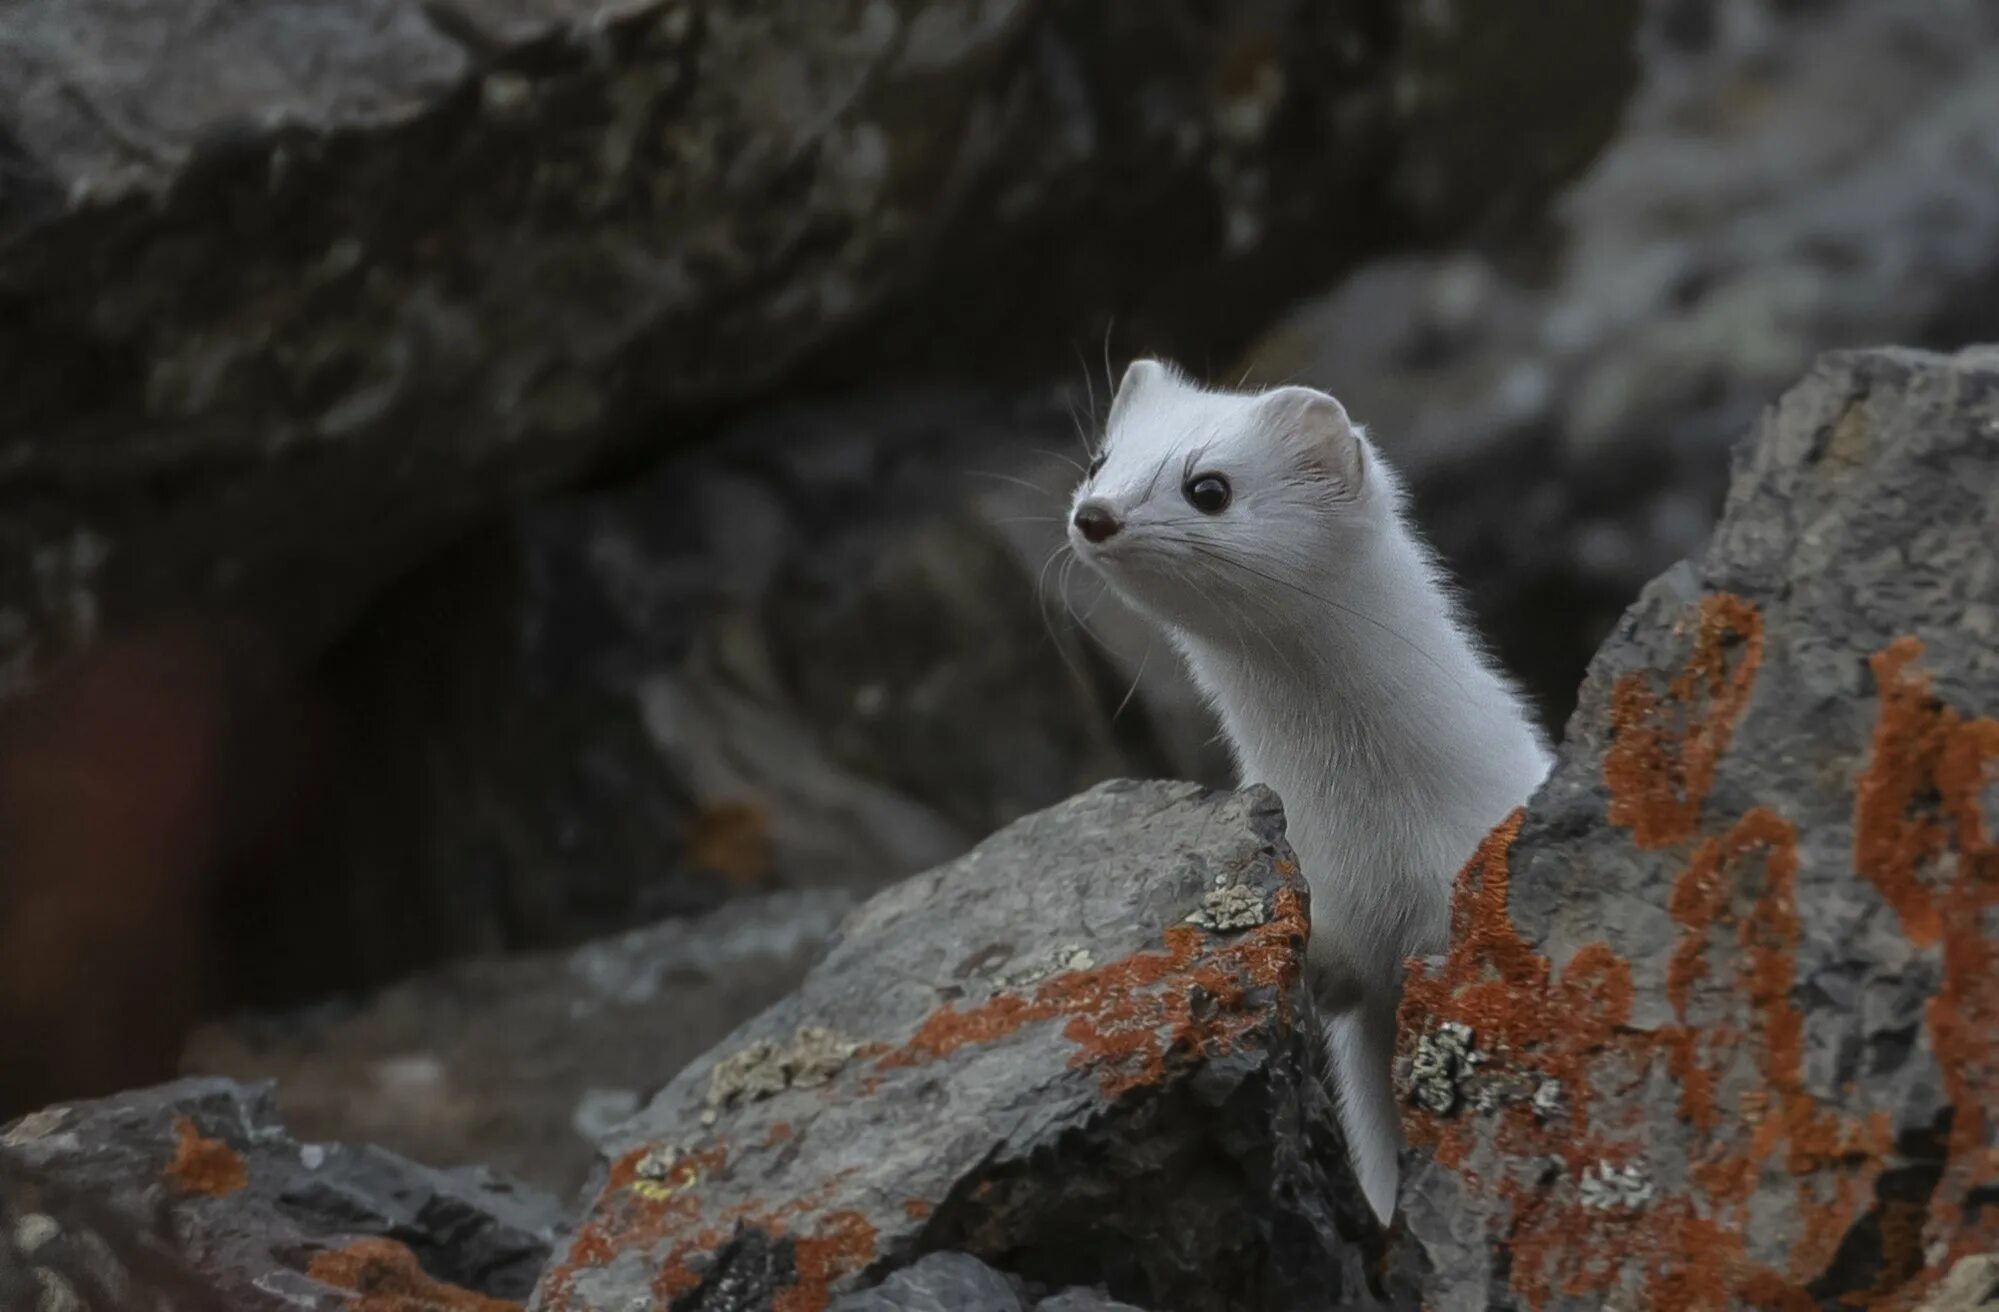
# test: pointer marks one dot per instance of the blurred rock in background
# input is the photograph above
(1789, 178)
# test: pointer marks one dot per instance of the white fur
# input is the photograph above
(1322, 631)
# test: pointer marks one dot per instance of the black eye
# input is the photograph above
(1207, 493)
(1096, 464)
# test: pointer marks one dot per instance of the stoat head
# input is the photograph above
(1202, 505)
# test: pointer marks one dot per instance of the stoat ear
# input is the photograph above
(1138, 376)
(1317, 426)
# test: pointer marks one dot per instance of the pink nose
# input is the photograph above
(1095, 521)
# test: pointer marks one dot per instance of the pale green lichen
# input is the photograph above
(766, 1068)
(1444, 1058)
(1229, 906)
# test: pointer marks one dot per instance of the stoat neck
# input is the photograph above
(1380, 661)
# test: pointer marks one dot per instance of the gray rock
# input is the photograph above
(942, 1282)
(1564, 410)
(1746, 930)
(193, 1195)
(520, 1062)
(1027, 1056)
(957, 1282)
(299, 294)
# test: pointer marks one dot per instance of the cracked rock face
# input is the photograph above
(294, 298)
(190, 1197)
(1732, 973)
(1146, 1119)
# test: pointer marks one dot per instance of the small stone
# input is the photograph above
(57, 1294)
(33, 1229)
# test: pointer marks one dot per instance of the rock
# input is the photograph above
(1726, 989)
(812, 655)
(1563, 410)
(954, 1282)
(297, 297)
(518, 1063)
(194, 1189)
(1045, 1067)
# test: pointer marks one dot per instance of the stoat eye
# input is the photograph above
(1207, 493)
(1096, 465)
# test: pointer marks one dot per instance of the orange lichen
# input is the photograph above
(1129, 1019)
(1920, 797)
(204, 1166)
(386, 1277)
(733, 840)
(916, 1209)
(1736, 1053)
(1661, 758)
(1509, 994)
(844, 1244)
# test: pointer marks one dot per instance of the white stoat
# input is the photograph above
(1270, 540)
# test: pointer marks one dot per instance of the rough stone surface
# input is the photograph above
(957, 1282)
(192, 1196)
(519, 1063)
(1730, 979)
(295, 294)
(1150, 1122)
(1564, 406)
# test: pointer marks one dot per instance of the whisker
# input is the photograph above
(1070, 461)
(1048, 624)
(1136, 679)
(1016, 481)
(1068, 602)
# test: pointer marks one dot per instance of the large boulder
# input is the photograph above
(191, 1197)
(295, 295)
(1083, 1054)
(1719, 1025)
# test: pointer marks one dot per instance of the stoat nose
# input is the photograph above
(1095, 521)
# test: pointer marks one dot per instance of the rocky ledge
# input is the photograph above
(1720, 1026)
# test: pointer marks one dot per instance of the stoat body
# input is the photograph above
(1271, 542)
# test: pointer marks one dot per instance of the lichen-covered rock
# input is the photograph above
(317, 281)
(190, 1196)
(1028, 1056)
(519, 1062)
(1723, 1001)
